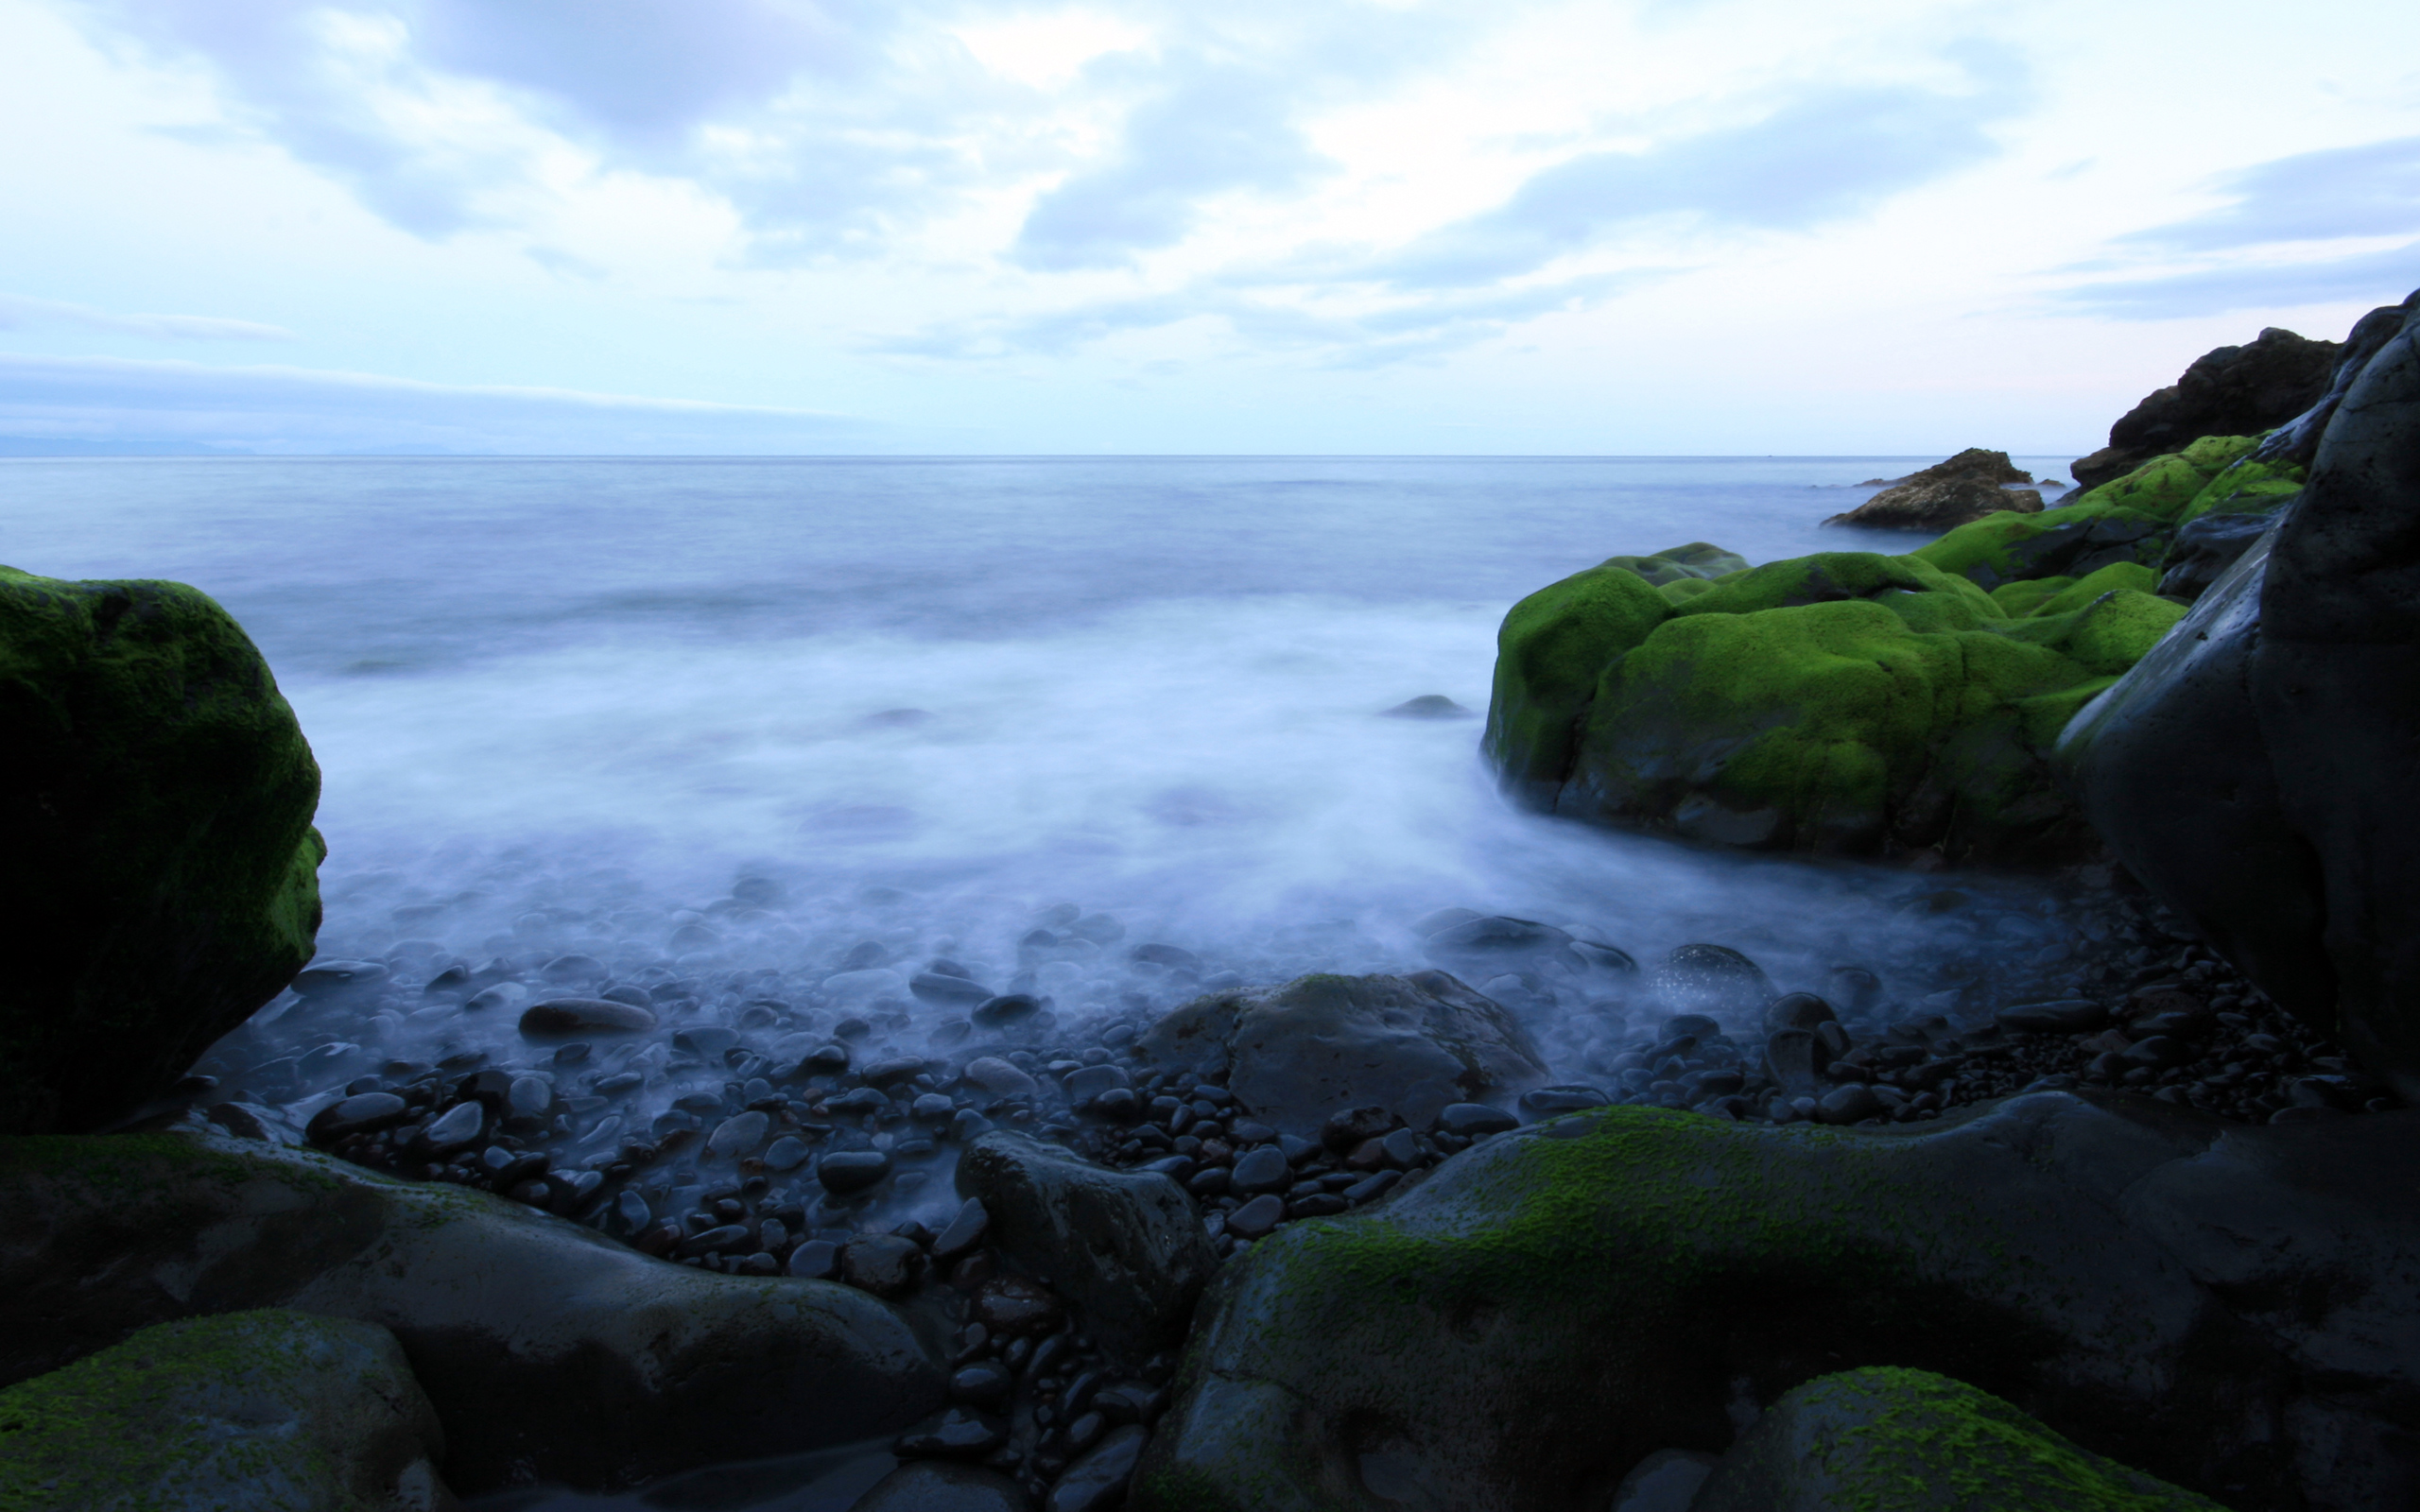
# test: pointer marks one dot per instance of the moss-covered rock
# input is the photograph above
(1892, 1440)
(269, 1411)
(1549, 654)
(161, 876)
(550, 1351)
(2175, 1293)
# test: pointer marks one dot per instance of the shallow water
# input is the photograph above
(564, 705)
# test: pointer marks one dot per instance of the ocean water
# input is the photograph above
(565, 704)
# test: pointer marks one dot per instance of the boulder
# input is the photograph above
(1967, 487)
(161, 881)
(550, 1352)
(1323, 1044)
(2227, 391)
(2230, 1308)
(1127, 1246)
(1888, 1437)
(268, 1409)
(2255, 773)
(2297, 441)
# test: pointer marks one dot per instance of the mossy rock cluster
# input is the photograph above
(1851, 702)
(160, 877)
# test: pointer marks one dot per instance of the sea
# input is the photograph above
(748, 721)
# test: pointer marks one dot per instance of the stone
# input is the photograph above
(1350, 1127)
(266, 1408)
(1912, 1439)
(941, 1486)
(1126, 1248)
(550, 1351)
(1265, 1169)
(2086, 1253)
(2227, 391)
(945, 991)
(1471, 1120)
(1666, 1480)
(1000, 1079)
(1966, 488)
(845, 1171)
(1496, 943)
(333, 979)
(456, 1127)
(961, 1433)
(2251, 776)
(1091, 1081)
(160, 879)
(1323, 1044)
(1012, 1307)
(1097, 1482)
(1852, 1104)
(577, 1018)
(787, 1153)
(816, 1260)
(2064, 1015)
(1798, 1011)
(736, 1136)
(362, 1113)
(964, 1233)
(1713, 980)
(1008, 1009)
(1255, 1219)
(884, 1265)
(1429, 706)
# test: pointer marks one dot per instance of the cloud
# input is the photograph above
(2377, 277)
(2369, 190)
(1821, 157)
(17, 312)
(145, 404)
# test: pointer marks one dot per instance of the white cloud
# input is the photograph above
(17, 312)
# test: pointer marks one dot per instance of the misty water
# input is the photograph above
(564, 706)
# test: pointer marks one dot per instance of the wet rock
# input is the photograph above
(1265, 1169)
(160, 880)
(884, 1265)
(1012, 1307)
(1932, 1440)
(1666, 1480)
(1008, 1009)
(329, 979)
(961, 1433)
(1429, 706)
(1126, 1246)
(580, 1018)
(2064, 1015)
(1255, 1219)
(944, 991)
(1714, 980)
(1853, 1104)
(736, 1136)
(1097, 1482)
(938, 1486)
(1323, 1044)
(1352, 1126)
(1090, 1082)
(364, 1113)
(1000, 1079)
(549, 1351)
(253, 1409)
(1470, 1121)
(1489, 944)
(2227, 391)
(844, 1171)
(456, 1127)
(787, 1153)
(816, 1260)
(2083, 1252)
(1797, 1010)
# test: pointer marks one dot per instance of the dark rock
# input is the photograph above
(161, 878)
(258, 1409)
(1966, 486)
(1714, 980)
(2297, 441)
(849, 1171)
(2204, 548)
(1493, 943)
(884, 1265)
(2247, 772)
(818, 1259)
(549, 1351)
(565, 1017)
(985, 1384)
(1012, 1307)
(1790, 1057)
(1429, 706)
(1933, 1441)
(938, 1486)
(328, 979)
(1175, 958)
(2088, 1254)
(1797, 1010)
(1349, 1127)
(964, 1233)
(1544, 1102)
(890, 1071)
(1127, 1248)
(1256, 1217)
(1265, 1169)
(1097, 1482)
(1470, 1120)
(1852, 1104)
(948, 991)
(565, 969)
(1323, 1044)
(2065, 1016)
(2227, 391)
(1092, 1081)
(961, 1433)
(999, 1013)
(362, 1113)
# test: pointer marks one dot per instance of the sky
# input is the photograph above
(777, 227)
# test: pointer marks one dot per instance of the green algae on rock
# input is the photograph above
(161, 878)
(272, 1411)
(1892, 1440)
(1558, 1302)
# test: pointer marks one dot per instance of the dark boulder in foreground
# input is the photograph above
(161, 876)
(1967, 487)
(2257, 772)
(550, 1352)
(2226, 1307)
(268, 1409)
(2227, 391)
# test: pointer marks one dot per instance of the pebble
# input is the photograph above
(963, 1233)
(1471, 1120)
(944, 989)
(736, 1136)
(962, 1432)
(884, 1265)
(818, 1259)
(1265, 1169)
(1255, 1219)
(1091, 1081)
(457, 1126)
(984, 1384)
(1001, 1078)
(1096, 1481)
(561, 1018)
(365, 1113)
(530, 1096)
(1852, 1104)
(1008, 1009)
(1015, 1307)
(851, 1171)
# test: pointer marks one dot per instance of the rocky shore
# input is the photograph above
(2106, 1193)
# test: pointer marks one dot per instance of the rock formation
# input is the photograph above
(2227, 391)
(1966, 486)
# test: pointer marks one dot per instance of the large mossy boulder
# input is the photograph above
(1854, 703)
(2256, 773)
(160, 880)
(269, 1411)
(550, 1352)
(2230, 1308)
(1888, 1440)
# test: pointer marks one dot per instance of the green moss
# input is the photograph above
(2080, 592)
(1681, 589)
(1550, 652)
(2244, 487)
(1698, 562)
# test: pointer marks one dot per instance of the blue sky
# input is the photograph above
(781, 225)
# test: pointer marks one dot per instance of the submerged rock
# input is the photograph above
(258, 1409)
(160, 877)
(1323, 1044)
(1649, 1273)
(550, 1351)
(1914, 1439)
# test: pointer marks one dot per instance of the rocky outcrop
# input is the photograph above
(550, 1352)
(1321, 1045)
(1966, 486)
(1126, 1246)
(2255, 773)
(1891, 1440)
(268, 1409)
(2227, 1308)
(2227, 391)
(161, 876)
